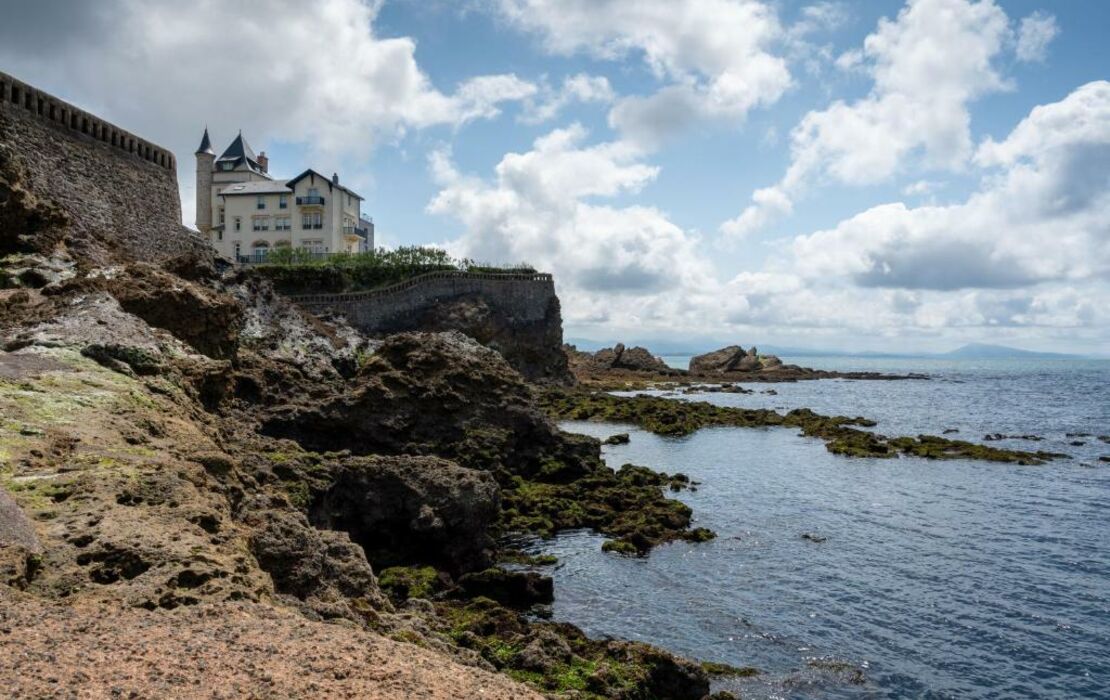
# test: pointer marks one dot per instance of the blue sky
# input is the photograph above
(879, 175)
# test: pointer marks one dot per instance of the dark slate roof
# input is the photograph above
(205, 144)
(327, 181)
(239, 148)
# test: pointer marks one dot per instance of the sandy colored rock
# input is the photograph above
(233, 650)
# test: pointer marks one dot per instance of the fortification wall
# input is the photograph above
(115, 188)
(522, 297)
(516, 314)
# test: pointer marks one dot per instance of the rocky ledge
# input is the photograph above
(842, 434)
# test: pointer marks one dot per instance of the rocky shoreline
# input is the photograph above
(187, 458)
(626, 369)
(842, 434)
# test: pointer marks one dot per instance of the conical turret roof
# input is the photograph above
(205, 144)
(239, 148)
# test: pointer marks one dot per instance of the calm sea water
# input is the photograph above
(936, 579)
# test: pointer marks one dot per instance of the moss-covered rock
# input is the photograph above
(842, 434)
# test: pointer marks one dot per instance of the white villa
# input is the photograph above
(246, 213)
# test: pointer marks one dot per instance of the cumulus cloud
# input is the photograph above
(927, 65)
(1035, 34)
(714, 54)
(542, 207)
(1044, 217)
(314, 73)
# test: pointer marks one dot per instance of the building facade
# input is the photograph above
(246, 213)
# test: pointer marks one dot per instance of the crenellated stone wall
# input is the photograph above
(116, 191)
(517, 314)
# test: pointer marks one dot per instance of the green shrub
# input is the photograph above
(298, 270)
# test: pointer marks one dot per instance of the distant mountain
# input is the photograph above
(983, 351)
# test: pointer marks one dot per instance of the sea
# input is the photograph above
(842, 577)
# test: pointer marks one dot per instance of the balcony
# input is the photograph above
(311, 200)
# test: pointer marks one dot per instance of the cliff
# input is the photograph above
(517, 314)
(195, 468)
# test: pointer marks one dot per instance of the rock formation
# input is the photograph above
(618, 357)
(733, 359)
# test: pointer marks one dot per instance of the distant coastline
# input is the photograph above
(972, 351)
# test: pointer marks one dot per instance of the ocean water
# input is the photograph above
(956, 579)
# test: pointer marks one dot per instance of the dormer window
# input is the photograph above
(227, 166)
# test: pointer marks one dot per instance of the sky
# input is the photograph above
(883, 175)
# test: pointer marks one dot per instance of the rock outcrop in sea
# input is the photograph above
(733, 359)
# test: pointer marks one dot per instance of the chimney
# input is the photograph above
(335, 179)
(263, 162)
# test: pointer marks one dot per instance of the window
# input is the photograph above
(261, 223)
(314, 246)
(260, 202)
(260, 249)
(238, 250)
(283, 201)
(221, 215)
(227, 166)
(238, 223)
(220, 235)
(313, 192)
(283, 223)
(312, 221)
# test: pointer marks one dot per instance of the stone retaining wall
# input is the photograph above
(114, 187)
(523, 297)
(516, 314)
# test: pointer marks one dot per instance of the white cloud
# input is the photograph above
(540, 208)
(582, 88)
(312, 73)
(714, 54)
(927, 65)
(1044, 218)
(1035, 34)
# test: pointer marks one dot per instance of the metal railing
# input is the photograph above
(311, 199)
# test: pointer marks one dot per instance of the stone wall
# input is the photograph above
(114, 188)
(516, 314)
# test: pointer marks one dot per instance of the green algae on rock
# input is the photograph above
(677, 418)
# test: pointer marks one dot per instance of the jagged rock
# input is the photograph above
(324, 569)
(442, 393)
(545, 652)
(618, 357)
(723, 360)
(733, 359)
(405, 510)
(516, 589)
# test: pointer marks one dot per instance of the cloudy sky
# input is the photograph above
(881, 175)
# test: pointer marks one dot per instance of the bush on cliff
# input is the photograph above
(297, 270)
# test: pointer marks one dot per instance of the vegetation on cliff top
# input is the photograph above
(301, 271)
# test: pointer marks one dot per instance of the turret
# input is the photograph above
(206, 158)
